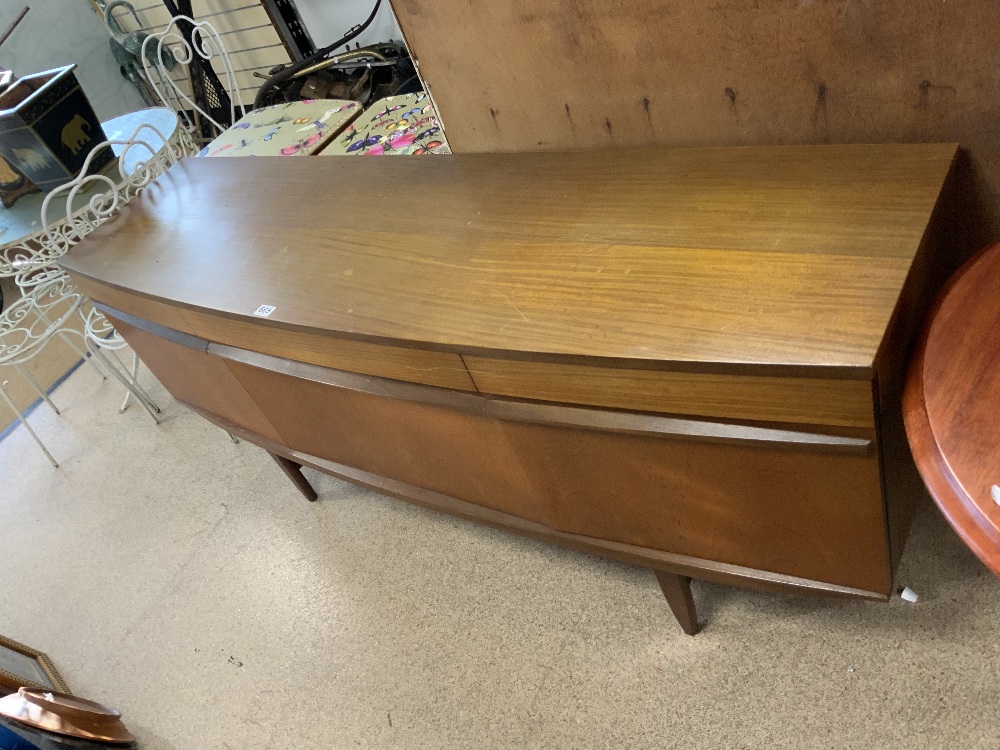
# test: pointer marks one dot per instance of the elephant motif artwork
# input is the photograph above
(48, 128)
(74, 135)
(33, 157)
(292, 129)
(30, 159)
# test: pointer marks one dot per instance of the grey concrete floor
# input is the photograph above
(182, 579)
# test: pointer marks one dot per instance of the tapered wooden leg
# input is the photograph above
(294, 472)
(677, 590)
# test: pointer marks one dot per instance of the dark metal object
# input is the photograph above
(206, 88)
(14, 23)
(364, 75)
(270, 91)
(287, 22)
(126, 47)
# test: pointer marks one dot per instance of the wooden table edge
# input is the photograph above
(720, 367)
(961, 511)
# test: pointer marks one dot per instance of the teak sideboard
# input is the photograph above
(687, 359)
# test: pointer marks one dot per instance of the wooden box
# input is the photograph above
(48, 128)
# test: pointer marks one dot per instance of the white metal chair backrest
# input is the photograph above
(144, 156)
(155, 155)
(207, 44)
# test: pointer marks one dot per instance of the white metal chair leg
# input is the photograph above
(70, 344)
(49, 300)
(131, 387)
(75, 348)
(133, 375)
(97, 344)
(95, 349)
(139, 390)
(36, 386)
(134, 372)
(20, 418)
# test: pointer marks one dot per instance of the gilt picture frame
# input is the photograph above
(23, 666)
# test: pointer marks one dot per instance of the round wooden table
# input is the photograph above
(951, 400)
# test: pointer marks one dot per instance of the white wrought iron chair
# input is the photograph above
(298, 128)
(100, 334)
(27, 326)
(207, 45)
(50, 301)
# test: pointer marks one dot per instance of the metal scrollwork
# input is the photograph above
(207, 44)
(30, 321)
(143, 157)
(99, 330)
(49, 299)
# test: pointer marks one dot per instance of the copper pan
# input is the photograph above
(65, 714)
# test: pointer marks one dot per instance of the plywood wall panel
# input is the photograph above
(513, 75)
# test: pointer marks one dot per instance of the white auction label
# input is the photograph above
(264, 311)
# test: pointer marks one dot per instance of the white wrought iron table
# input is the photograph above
(22, 222)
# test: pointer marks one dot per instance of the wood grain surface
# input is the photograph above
(554, 74)
(950, 404)
(799, 510)
(826, 439)
(443, 369)
(904, 491)
(793, 510)
(843, 402)
(708, 570)
(767, 293)
(770, 257)
(198, 378)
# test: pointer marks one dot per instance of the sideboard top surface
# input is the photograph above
(788, 256)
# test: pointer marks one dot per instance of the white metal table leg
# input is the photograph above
(37, 387)
(133, 388)
(136, 390)
(134, 372)
(75, 348)
(20, 418)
